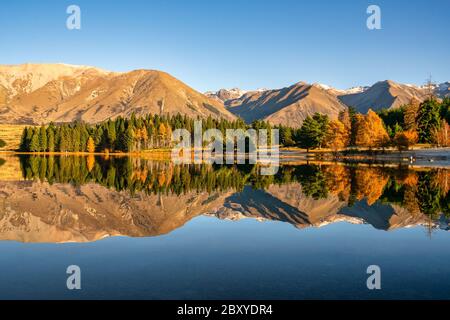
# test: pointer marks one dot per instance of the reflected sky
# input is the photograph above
(308, 233)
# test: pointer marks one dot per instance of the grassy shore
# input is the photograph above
(11, 134)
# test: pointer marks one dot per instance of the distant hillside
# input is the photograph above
(384, 94)
(40, 93)
(288, 106)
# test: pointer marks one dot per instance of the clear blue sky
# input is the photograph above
(248, 44)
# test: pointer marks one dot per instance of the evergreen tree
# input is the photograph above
(126, 139)
(310, 134)
(50, 139)
(112, 134)
(445, 109)
(34, 143)
(43, 139)
(428, 120)
(25, 140)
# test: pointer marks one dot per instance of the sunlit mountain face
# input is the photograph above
(83, 199)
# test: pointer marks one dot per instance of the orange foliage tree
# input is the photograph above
(338, 135)
(403, 140)
(370, 131)
(90, 145)
(441, 135)
(370, 184)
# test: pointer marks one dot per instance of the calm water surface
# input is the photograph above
(141, 229)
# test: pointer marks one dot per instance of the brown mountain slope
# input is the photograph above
(384, 94)
(287, 106)
(40, 212)
(44, 93)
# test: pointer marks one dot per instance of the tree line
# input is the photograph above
(425, 192)
(426, 122)
(116, 135)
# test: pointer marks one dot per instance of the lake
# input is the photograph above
(143, 229)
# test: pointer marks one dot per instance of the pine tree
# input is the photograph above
(428, 120)
(34, 143)
(126, 140)
(50, 139)
(25, 139)
(112, 134)
(323, 121)
(310, 134)
(43, 139)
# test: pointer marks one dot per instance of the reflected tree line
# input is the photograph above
(425, 191)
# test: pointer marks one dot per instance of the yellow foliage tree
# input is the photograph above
(90, 162)
(162, 132)
(370, 131)
(90, 145)
(370, 183)
(441, 136)
(144, 137)
(338, 135)
(411, 112)
(403, 140)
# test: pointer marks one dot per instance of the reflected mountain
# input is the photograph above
(82, 199)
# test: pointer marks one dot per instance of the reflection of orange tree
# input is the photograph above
(370, 183)
(441, 180)
(338, 179)
(410, 179)
(90, 162)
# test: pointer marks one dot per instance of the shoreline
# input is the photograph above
(423, 157)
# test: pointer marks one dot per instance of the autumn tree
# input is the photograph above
(370, 131)
(90, 162)
(90, 145)
(441, 135)
(338, 135)
(404, 139)
(411, 112)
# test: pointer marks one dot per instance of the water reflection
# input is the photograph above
(60, 199)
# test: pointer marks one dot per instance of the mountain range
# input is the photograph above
(41, 93)
(43, 212)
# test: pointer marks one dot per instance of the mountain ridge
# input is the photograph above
(35, 94)
(42, 93)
